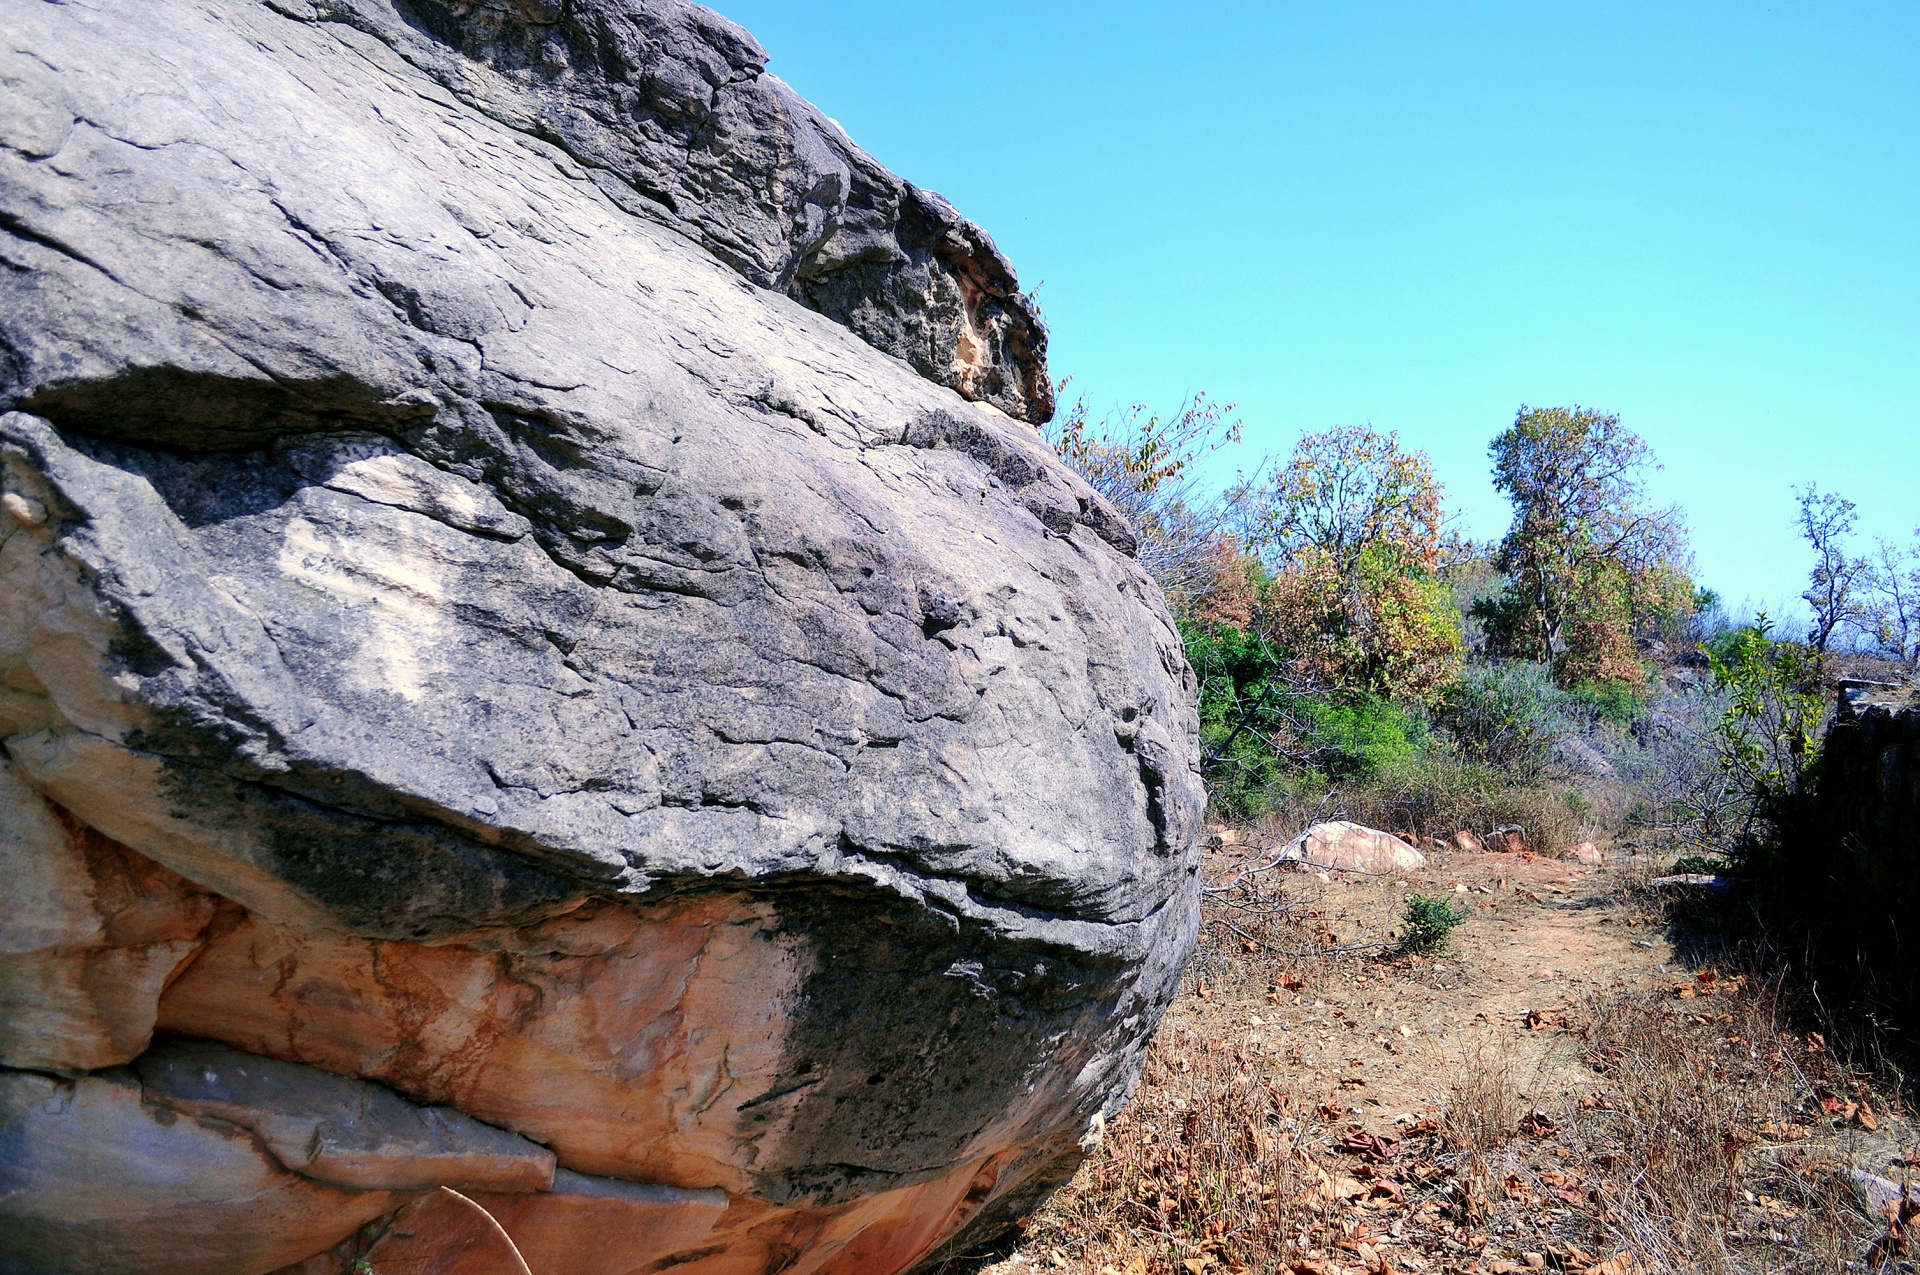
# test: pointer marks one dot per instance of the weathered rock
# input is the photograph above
(1587, 852)
(636, 1227)
(95, 1178)
(1508, 838)
(1465, 840)
(1340, 845)
(1578, 757)
(89, 935)
(346, 1132)
(465, 628)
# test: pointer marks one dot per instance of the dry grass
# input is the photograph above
(1205, 1166)
(1725, 1138)
(1655, 1130)
(1482, 1111)
(1437, 795)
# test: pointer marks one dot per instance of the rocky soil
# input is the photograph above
(1573, 1084)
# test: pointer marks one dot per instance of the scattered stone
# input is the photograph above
(1467, 841)
(1343, 846)
(1509, 838)
(1876, 1192)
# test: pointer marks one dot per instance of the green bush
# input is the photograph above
(1426, 923)
(1360, 737)
(1505, 714)
(1244, 699)
(1769, 739)
(1261, 735)
(1612, 702)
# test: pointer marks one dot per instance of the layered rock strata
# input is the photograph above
(522, 669)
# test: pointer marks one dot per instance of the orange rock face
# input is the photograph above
(595, 1034)
(644, 1046)
(608, 1235)
(91, 935)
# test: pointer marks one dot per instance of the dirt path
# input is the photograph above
(1542, 936)
(1558, 1017)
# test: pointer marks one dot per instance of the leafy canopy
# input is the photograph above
(1589, 563)
(1349, 529)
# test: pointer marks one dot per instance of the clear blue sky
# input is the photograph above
(1703, 217)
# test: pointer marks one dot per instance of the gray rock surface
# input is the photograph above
(1578, 757)
(459, 475)
(334, 1129)
(94, 1178)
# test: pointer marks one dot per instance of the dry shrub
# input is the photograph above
(1435, 795)
(1703, 1094)
(1205, 1163)
(1482, 1109)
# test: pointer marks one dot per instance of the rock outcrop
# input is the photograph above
(522, 669)
(1845, 882)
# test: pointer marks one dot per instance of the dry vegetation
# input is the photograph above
(1559, 1090)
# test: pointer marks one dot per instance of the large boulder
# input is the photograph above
(536, 657)
(1340, 845)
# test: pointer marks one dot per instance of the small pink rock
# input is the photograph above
(1586, 852)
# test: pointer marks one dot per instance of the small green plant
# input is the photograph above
(1427, 922)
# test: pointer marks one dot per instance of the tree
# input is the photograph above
(1893, 599)
(1350, 529)
(1142, 462)
(1588, 563)
(1349, 491)
(1826, 521)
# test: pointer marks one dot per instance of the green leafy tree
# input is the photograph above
(1349, 492)
(1769, 737)
(1350, 530)
(1588, 562)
